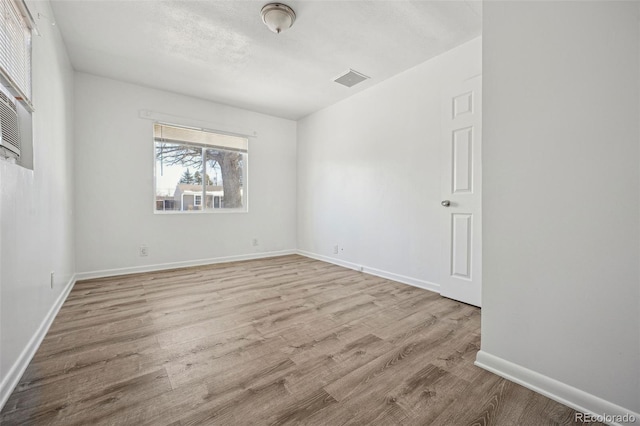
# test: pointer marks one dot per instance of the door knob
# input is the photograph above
(446, 203)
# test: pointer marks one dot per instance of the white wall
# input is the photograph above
(369, 171)
(36, 208)
(561, 202)
(114, 182)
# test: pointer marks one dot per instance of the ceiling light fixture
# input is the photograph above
(278, 17)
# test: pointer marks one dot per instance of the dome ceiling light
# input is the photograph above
(278, 17)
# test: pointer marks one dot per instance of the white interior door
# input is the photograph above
(461, 192)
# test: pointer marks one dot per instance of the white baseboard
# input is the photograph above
(18, 368)
(425, 285)
(173, 265)
(565, 394)
(328, 259)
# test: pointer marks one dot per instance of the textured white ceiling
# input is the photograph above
(221, 50)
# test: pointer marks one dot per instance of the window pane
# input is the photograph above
(225, 179)
(178, 177)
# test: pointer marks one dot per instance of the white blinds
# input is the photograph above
(174, 134)
(15, 48)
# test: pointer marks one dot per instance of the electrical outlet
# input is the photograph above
(335, 249)
(254, 242)
(52, 280)
(144, 251)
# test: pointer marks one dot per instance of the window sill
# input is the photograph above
(197, 212)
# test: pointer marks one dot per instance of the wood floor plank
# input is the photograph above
(230, 370)
(427, 393)
(388, 367)
(89, 396)
(285, 340)
(163, 409)
(46, 370)
(328, 367)
(299, 411)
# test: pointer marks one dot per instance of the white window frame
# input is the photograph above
(245, 175)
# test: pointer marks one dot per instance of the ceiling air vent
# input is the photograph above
(350, 78)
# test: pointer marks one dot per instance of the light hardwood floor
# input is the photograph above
(286, 340)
